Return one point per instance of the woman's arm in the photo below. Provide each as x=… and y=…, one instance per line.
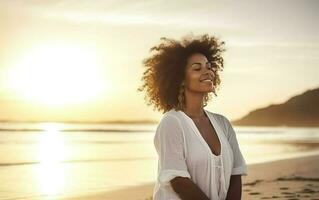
x=235, y=186
x=187, y=189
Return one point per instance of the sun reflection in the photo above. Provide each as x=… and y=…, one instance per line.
x=51, y=152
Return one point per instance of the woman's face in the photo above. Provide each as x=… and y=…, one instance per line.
x=199, y=74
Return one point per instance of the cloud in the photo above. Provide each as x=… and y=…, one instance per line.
x=195, y=14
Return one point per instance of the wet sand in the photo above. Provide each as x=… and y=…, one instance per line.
x=291, y=179
x=295, y=178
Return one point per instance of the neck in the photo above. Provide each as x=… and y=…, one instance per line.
x=194, y=105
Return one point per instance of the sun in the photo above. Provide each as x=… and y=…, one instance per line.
x=58, y=74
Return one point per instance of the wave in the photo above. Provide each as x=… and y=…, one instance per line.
x=260, y=131
x=122, y=130
x=74, y=130
x=77, y=161
x=78, y=142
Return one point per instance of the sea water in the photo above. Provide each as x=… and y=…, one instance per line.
x=47, y=160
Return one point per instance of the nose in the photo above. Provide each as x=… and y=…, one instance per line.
x=210, y=72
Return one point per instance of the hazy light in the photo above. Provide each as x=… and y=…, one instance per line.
x=57, y=74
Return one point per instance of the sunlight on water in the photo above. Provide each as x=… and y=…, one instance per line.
x=51, y=152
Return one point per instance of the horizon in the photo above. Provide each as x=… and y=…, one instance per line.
x=136, y=121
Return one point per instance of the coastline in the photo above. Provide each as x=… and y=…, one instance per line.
x=291, y=178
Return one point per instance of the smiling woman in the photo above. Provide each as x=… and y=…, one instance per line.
x=57, y=75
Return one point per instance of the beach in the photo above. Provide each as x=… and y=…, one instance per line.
x=293, y=178
x=95, y=162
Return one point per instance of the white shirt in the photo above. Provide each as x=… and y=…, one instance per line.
x=182, y=151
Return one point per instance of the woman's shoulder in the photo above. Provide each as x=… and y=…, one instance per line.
x=221, y=119
x=169, y=124
x=172, y=114
x=171, y=119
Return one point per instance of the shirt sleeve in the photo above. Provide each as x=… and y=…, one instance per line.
x=169, y=145
x=239, y=164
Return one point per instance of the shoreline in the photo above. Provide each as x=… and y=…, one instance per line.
x=290, y=178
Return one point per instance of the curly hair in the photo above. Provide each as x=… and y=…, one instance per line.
x=165, y=69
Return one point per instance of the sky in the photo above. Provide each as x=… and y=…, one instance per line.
x=272, y=54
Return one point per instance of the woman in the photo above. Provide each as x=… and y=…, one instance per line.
x=199, y=156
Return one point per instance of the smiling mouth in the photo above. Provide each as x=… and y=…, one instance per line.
x=206, y=80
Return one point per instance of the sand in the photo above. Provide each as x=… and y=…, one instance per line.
x=291, y=179
x=295, y=178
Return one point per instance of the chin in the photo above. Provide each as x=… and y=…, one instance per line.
x=204, y=89
x=207, y=91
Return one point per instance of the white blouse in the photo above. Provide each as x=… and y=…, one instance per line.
x=182, y=151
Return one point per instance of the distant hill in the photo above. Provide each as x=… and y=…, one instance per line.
x=300, y=110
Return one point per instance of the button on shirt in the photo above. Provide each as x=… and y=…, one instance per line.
x=182, y=151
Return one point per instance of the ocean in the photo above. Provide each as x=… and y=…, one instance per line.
x=49, y=160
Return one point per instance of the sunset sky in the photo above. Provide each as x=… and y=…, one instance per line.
x=82, y=60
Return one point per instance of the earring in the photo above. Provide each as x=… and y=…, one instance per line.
x=181, y=97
